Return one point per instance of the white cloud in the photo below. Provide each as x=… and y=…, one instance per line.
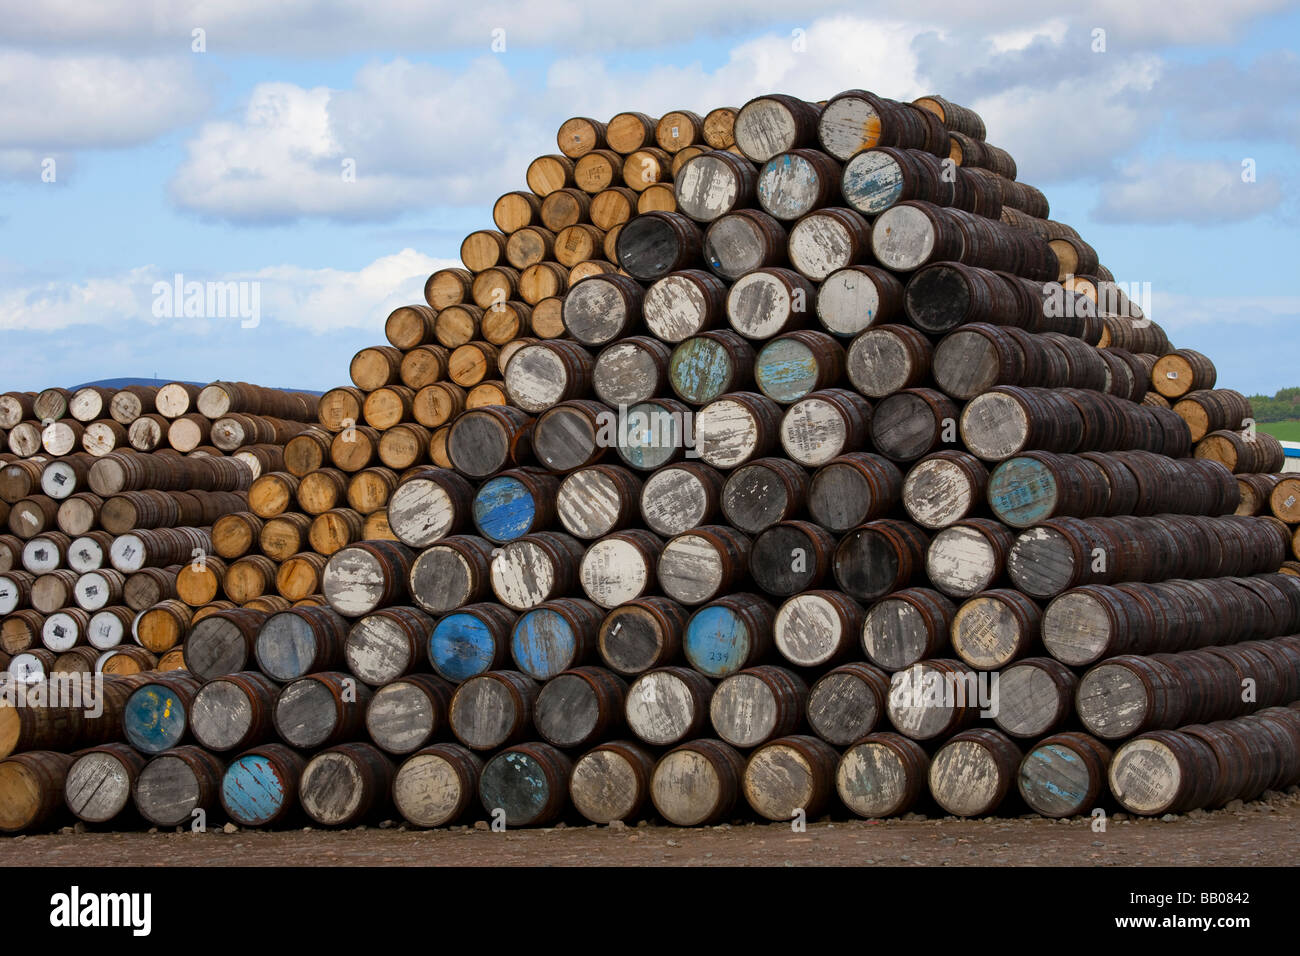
x=1170, y=190
x=405, y=135
x=321, y=300
x=323, y=26
x=74, y=102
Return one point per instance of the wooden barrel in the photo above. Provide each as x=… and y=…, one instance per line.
x=535, y=568
x=1128, y=695
x=529, y=782
x=346, y=784
x=729, y=634
x=767, y=302
x=1163, y=772
x=882, y=775
x=428, y=505
x=700, y=564
x=31, y=789
x=176, y=786
x=667, y=705
x=697, y=783
x=735, y=428
x=573, y=434
x=879, y=557
x=554, y=637
x=1182, y=371
x=300, y=641
x=912, y=234
x=53, y=590
x=386, y=644
x=855, y=299
x=450, y=574
x=656, y=244
x=611, y=782
x=718, y=127
x=743, y=241
x=110, y=627
x=366, y=576
x=792, y=777
x=972, y=774
x=542, y=375
x=932, y=699
x=714, y=184
x=46, y=552
x=620, y=567
x=794, y=183
x=943, y=488
x=98, y=784
x=597, y=170
x=472, y=640
x=683, y=304
x=817, y=627
x=771, y=124
x=708, y=365
x=260, y=786
x=790, y=557
x=1008, y=420
x=437, y=786
x=913, y=422
x=631, y=370
x=758, y=704
x=1210, y=410
x=594, y=501
x=1064, y=775
x=795, y=364
x=847, y=702
x=827, y=241
x=156, y=717
x=163, y=626
x=515, y=503
x=580, y=706
x=234, y=712
x=906, y=627
x=763, y=492
x=603, y=308
x=994, y=628
x=853, y=488
x=493, y=710
x=642, y=634
x=320, y=710
x=408, y=713
x=1260, y=452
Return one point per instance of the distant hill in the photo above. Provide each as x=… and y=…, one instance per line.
x=159, y=382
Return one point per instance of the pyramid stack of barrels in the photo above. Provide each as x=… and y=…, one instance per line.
x=783, y=461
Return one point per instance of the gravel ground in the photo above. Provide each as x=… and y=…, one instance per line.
x=1264, y=832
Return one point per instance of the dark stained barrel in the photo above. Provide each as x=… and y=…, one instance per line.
x=790, y=557
x=657, y=243
x=156, y=717
x=848, y=702
x=853, y=489
x=743, y=241
x=580, y=707
x=907, y=626
x=761, y=493
x=222, y=643
x=485, y=440
x=879, y=557
x=641, y=635
x=530, y=782
x=913, y=422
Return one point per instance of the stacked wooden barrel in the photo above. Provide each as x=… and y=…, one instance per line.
x=787, y=457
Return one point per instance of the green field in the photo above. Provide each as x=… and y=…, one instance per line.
x=1283, y=431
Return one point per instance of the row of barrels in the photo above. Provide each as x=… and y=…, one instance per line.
x=698, y=783
x=152, y=432
x=174, y=400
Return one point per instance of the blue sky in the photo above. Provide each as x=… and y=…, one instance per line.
x=225, y=164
